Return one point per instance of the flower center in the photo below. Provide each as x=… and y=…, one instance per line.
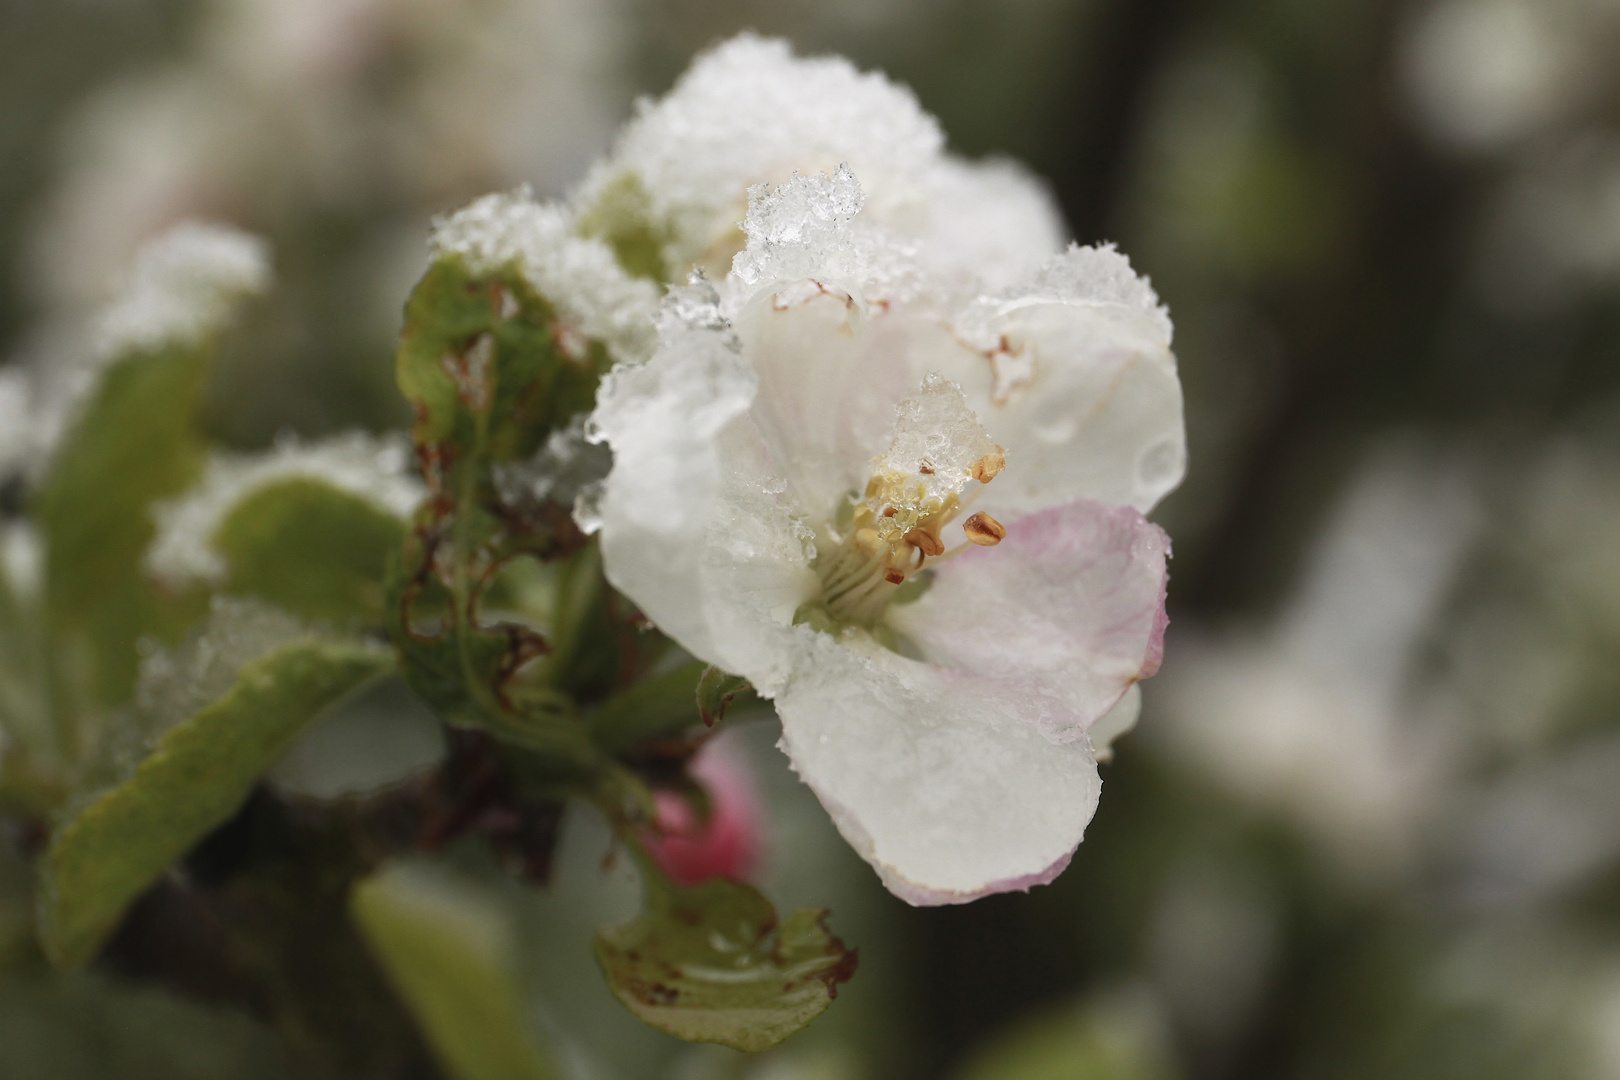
x=890, y=536
x=879, y=542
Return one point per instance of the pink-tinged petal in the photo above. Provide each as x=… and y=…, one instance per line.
x=1070, y=604
x=942, y=781
x=728, y=843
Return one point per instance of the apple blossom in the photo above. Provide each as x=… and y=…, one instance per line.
x=913, y=521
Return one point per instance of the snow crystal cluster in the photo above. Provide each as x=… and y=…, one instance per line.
x=377, y=470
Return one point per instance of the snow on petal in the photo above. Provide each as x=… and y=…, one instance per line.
x=1071, y=601
x=940, y=780
x=684, y=498
x=1073, y=373
x=578, y=275
x=750, y=112
x=379, y=470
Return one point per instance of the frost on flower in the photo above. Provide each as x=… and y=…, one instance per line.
x=749, y=112
x=378, y=470
x=910, y=516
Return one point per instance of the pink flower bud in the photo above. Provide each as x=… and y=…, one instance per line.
x=728, y=843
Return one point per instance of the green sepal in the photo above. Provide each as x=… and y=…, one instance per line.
x=447, y=953
x=488, y=366
x=716, y=691
x=195, y=778
x=711, y=963
x=658, y=706
x=310, y=548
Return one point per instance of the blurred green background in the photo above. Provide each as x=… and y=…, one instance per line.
x=1369, y=825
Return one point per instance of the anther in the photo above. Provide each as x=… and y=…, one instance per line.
x=894, y=576
x=987, y=467
x=984, y=530
x=925, y=541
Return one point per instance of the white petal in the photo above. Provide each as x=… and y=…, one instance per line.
x=1074, y=376
x=1072, y=602
x=990, y=223
x=1115, y=722
x=939, y=780
x=830, y=375
x=694, y=528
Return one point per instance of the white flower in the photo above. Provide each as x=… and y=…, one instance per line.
x=913, y=522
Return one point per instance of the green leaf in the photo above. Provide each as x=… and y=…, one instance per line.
x=622, y=218
x=1110, y=1038
x=656, y=707
x=715, y=691
x=136, y=443
x=446, y=950
x=311, y=549
x=488, y=366
x=193, y=781
x=712, y=964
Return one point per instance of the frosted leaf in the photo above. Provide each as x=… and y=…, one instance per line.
x=937, y=441
x=579, y=276
x=751, y=112
x=185, y=284
x=175, y=685
x=378, y=470
x=567, y=464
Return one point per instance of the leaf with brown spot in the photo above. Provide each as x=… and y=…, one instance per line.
x=712, y=963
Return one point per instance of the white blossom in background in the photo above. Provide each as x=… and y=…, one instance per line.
x=379, y=470
x=749, y=112
x=1313, y=715
x=274, y=111
x=911, y=517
